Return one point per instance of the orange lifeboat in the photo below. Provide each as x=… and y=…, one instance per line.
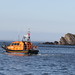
x=22, y=46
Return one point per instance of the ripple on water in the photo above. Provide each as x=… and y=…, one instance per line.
x=2, y=73
x=45, y=74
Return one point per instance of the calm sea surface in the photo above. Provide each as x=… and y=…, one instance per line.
x=51, y=60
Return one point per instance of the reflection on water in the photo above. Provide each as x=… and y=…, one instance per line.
x=17, y=54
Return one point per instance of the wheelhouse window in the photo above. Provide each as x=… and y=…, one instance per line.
x=14, y=44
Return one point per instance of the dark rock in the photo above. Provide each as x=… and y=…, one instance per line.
x=51, y=43
x=56, y=42
x=48, y=43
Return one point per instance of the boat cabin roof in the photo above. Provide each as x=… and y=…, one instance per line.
x=17, y=43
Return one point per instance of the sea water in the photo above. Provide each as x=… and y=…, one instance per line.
x=51, y=60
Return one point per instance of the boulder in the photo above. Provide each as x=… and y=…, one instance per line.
x=55, y=42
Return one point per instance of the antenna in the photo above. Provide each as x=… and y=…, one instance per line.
x=18, y=37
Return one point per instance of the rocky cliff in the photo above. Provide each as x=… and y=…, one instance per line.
x=68, y=39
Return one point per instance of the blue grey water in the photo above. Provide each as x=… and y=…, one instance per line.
x=51, y=60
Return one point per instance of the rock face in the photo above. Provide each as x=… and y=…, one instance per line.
x=68, y=39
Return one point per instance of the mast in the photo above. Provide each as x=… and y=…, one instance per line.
x=28, y=39
x=27, y=36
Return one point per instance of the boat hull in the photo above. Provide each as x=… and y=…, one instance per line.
x=21, y=51
x=16, y=51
